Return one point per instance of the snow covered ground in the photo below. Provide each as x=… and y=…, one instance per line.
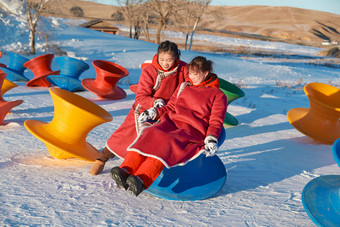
x=268, y=161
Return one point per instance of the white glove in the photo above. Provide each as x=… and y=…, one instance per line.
x=158, y=103
x=210, y=146
x=148, y=115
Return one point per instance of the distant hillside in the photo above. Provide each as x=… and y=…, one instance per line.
x=90, y=9
x=288, y=23
x=280, y=22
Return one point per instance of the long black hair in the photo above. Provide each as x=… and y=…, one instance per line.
x=169, y=47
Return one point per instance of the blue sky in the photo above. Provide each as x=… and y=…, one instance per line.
x=332, y=6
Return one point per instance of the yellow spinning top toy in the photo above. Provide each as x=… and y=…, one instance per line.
x=74, y=117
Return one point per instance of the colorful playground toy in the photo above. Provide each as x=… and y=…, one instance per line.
x=70, y=70
x=321, y=196
x=15, y=69
x=199, y=179
x=133, y=87
x=5, y=106
x=74, y=117
x=7, y=85
x=41, y=68
x=145, y=64
x=108, y=75
x=321, y=120
x=2, y=65
x=336, y=151
x=321, y=200
x=232, y=92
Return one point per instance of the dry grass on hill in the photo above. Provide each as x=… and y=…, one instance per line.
x=280, y=22
x=289, y=24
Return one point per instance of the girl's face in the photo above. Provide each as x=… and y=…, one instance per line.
x=166, y=60
x=197, y=76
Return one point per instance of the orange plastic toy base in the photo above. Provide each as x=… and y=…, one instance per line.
x=321, y=120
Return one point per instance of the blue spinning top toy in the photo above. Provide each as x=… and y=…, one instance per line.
x=15, y=69
x=70, y=71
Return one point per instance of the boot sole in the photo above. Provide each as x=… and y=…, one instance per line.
x=120, y=179
x=135, y=187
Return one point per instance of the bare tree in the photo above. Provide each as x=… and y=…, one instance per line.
x=184, y=20
x=145, y=18
x=164, y=9
x=202, y=5
x=130, y=11
x=33, y=11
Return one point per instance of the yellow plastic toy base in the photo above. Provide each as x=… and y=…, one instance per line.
x=321, y=120
x=74, y=117
x=7, y=85
x=57, y=147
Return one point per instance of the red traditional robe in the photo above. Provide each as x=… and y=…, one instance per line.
x=154, y=83
x=191, y=114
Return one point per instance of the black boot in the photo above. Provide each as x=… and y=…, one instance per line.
x=119, y=176
x=135, y=186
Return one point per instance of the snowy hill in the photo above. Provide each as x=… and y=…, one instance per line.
x=268, y=161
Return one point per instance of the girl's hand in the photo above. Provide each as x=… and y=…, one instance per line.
x=148, y=115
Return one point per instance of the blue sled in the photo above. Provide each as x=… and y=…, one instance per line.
x=199, y=179
x=321, y=200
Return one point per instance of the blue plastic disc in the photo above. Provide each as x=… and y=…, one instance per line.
x=199, y=179
x=66, y=83
x=13, y=76
x=321, y=200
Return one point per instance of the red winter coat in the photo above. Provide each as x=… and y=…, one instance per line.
x=191, y=114
x=153, y=83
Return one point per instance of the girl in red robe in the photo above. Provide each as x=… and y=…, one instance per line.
x=188, y=125
x=157, y=83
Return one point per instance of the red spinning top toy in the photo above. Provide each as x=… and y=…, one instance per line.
x=2, y=65
x=41, y=68
x=133, y=87
x=5, y=106
x=108, y=75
